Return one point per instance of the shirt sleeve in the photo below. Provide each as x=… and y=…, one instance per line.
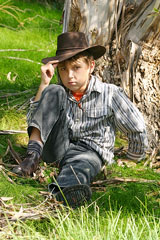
x=33, y=105
x=130, y=121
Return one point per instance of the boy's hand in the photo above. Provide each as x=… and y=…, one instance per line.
x=28, y=166
x=47, y=72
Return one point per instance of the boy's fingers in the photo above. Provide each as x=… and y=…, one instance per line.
x=51, y=65
x=53, y=62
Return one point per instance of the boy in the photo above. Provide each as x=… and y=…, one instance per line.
x=74, y=123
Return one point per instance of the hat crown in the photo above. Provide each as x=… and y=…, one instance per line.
x=70, y=44
x=71, y=41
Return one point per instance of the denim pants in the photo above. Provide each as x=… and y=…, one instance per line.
x=78, y=162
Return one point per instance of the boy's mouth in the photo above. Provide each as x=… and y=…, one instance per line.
x=71, y=83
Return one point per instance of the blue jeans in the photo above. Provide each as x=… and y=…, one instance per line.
x=78, y=162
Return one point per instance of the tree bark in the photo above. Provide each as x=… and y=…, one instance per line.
x=130, y=31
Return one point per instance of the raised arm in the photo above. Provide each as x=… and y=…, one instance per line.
x=47, y=72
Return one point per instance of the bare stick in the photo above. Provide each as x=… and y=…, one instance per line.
x=8, y=178
x=13, y=153
x=122, y=180
x=21, y=50
x=22, y=59
x=152, y=157
x=8, y=165
x=15, y=94
x=6, y=132
x=23, y=105
x=75, y=174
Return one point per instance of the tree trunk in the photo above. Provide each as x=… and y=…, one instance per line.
x=130, y=31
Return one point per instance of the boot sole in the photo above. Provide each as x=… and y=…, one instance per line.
x=74, y=196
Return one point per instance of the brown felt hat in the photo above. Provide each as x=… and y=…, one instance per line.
x=71, y=43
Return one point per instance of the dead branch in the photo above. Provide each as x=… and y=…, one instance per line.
x=7, y=177
x=15, y=94
x=118, y=180
x=23, y=105
x=6, y=132
x=13, y=153
x=21, y=59
x=8, y=165
x=21, y=50
x=152, y=158
x=6, y=152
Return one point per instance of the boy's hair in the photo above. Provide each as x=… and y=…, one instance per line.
x=86, y=56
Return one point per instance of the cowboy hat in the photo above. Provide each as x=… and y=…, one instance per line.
x=71, y=43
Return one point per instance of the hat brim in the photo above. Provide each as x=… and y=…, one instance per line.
x=96, y=51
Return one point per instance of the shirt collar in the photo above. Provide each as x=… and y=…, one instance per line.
x=94, y=85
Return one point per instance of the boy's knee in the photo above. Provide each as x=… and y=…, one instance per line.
x=53, y=91
x=54, y=88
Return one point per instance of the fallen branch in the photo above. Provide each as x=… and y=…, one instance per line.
x=21, y=50
x=23, y=105
x=7, y=177
x=8, y=165
x=118, y=180
x=22, y=59
x=6, y=132
x=152, y=158
x=15, y=94
x=13, y=153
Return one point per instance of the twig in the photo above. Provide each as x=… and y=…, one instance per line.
x=6, y=152
x=15, y=94
x=104, y=170
x=8, y=178
x=121, y=180
x=21, y=50
x=75, y=174
x=152, y=157
x=6, y=132
x=23, y=105
x=9, y=27
x=21, y=59
x=8, y=165
x=13, y=153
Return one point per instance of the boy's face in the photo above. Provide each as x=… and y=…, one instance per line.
x=75, y=75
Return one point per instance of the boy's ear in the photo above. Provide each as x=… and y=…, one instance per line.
x=92, y=66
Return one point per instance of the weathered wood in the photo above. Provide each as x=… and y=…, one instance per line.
x=95, y=18
x=130, y=30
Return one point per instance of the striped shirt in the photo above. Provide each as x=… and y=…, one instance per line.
x=95, y=118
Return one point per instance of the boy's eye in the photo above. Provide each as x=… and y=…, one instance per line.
x=76, y=67
x=62, y=68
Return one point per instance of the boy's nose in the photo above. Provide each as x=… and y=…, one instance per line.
x=70, y=73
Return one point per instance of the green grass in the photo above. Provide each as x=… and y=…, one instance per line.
x=120, y=211
x=82, y=224
x=34, y=31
